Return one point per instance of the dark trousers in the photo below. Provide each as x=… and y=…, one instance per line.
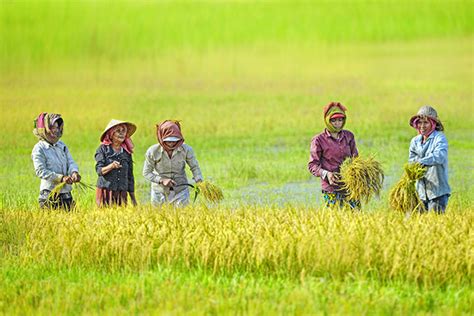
x=437, y=204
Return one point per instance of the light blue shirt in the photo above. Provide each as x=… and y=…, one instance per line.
x=51, y=163
x=433, y=153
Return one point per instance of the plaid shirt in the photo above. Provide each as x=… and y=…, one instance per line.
x=327, y=154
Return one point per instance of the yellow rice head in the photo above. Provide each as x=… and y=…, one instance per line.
x=403, y=196
x=361, y=177
x=209, y=191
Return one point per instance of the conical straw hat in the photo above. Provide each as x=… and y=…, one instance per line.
x=131, y=128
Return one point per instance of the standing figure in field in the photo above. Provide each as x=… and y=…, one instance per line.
x=430, y=148
x=53, y=162
x=165, y=166
x=114, y=165
x=328, y=150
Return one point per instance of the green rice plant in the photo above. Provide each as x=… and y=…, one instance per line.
x=361, y=177
x=210, y=191
x=54, y=194
x=84, y=187
x=403, y=196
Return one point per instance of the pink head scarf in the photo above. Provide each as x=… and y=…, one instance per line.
x=127, y=143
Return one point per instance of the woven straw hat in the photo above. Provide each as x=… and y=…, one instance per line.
x=131, y=128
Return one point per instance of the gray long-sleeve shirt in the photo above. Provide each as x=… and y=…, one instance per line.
x=51, y=163
x=433, y=153
x=159, y=165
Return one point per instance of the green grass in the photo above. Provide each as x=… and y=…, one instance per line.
x=46, y=290
x=248, y=82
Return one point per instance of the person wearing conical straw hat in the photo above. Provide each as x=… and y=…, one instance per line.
x=53, y=162
x=430, y=148
x=165, y=165
x=327, y=152
x=114, y=165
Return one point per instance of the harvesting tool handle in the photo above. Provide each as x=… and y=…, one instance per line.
x=196, y=190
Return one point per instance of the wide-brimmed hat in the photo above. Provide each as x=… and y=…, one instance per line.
x=130, y=126
x=430, y=112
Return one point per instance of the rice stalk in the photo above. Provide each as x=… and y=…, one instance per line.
x=209, y=191
x=54, y=194
x=361, y=178
x=403, y=196
x=84, y=187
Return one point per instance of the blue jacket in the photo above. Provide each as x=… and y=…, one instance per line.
x=433, y=153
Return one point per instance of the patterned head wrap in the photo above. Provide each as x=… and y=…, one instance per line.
x=331, y=110
x=43, y=124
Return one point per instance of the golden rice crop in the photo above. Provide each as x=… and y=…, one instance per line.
x=428, y=248
x=403, y=196
x=361, y=178
x=210, y=191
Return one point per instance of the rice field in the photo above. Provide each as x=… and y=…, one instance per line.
x=248, y=82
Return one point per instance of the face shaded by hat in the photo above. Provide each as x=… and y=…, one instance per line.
x=127, y=144
x=169, y=131
x=331, y=111
x=44, y=127
x=131, y=128
x=429, y=113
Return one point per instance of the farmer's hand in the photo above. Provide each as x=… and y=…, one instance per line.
x=67, y=179
x=111, y=166
x=168, y=182
x=114, y=165
x=332, y=178
x=76, y=177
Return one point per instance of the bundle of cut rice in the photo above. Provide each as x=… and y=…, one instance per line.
x=361, y=178
x=209, y=191
x=403, y=196
x=54, y=194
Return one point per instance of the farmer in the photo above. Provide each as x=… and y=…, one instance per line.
x=114, y=165
x=53, y=162
x=328, y=151
x=430, y=148
x=165, y=163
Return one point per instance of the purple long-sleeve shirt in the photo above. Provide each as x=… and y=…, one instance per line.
x=328, y=153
